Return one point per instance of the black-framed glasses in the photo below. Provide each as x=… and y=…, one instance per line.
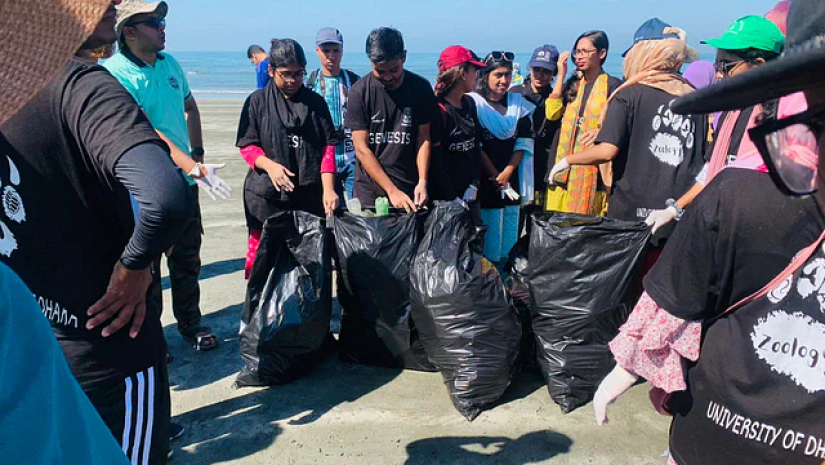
x=154, y=22
x=500, y=56
x=584, y=53
x=725, y=67
x=790, y=149
x=292, y=77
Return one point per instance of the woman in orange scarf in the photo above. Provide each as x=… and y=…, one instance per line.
x=582, y=104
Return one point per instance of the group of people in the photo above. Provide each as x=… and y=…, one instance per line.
x=103, y=165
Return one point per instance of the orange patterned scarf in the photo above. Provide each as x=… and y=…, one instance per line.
x=579, y=192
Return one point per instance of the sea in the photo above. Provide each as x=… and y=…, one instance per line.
x=228, y=75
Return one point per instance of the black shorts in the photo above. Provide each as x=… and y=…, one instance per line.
x=137, y=411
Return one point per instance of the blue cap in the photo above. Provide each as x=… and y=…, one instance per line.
x=652, y=29
x=329, y=35
x=546, y=56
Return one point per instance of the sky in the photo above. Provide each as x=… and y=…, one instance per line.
x=431, y=25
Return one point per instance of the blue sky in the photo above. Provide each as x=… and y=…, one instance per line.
x=431, y=25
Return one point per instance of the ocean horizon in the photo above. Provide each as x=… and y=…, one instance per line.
x=229, y=75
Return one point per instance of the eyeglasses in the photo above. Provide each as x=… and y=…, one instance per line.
x=500, y=56
x=584, y=53
x=790, y=149
x=292, y=77
x=154, y=22
x=725, y=67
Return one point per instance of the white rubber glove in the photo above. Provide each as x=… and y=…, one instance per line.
x=614, y=385
x=659, y=218
x=560, y=166
x=461, y=202
x=509, y=193
x=214, y=186
x=471, y=194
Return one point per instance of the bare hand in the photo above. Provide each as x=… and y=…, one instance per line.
x=421, y=197
x=126, y=298
x=279, y=176
x=589, y=138
x=563, y=63
x=503, y=178
x=331, y=201
x=399, y=199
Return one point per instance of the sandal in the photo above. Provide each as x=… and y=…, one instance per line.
x=203, y=340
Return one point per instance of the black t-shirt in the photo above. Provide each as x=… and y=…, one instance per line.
x=392, y=118
x=660, y=152
x=738, y=235
x=500, y=152
x=734, y=239
x=457, y=162
x=66, y=217
x=544, y=131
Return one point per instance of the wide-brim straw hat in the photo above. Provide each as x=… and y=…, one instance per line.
x=37, y=37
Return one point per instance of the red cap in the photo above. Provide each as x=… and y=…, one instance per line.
x=455, y=55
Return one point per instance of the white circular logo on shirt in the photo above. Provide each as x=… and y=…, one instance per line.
x=792, y=345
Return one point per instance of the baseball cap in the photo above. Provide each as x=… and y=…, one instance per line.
x=654, y=29
x=750, y=32
x=329, y=35
x=455, y=55
x=798, y=68
x=546, y=56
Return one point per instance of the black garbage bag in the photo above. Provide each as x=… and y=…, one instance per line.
x=375, y=255
x=580, y=269
x=470, y=330
x=288, y=305
x=515, y=281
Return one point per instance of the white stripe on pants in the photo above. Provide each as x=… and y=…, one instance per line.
x=140, y=403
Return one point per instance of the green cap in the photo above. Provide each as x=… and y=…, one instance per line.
x=750, y=32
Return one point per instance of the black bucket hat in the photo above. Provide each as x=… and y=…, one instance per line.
x=801, y=66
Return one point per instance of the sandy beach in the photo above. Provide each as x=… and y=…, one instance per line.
x=341, y=414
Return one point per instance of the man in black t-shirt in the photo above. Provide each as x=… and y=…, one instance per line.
x=69, y=232
x=389, y=113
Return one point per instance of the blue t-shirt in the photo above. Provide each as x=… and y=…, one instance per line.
x=262, y=72
x=46, y=416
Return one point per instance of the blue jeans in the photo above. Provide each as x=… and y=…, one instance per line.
x=344, y=182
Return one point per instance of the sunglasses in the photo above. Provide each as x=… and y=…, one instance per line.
x=725, y=67
x=292, y=77
x=790, y=149
x=500, y=56
x=154, y=23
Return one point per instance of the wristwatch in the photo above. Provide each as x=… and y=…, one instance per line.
x=679, y=210
x=197, y=152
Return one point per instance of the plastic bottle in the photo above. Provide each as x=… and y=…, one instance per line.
x=382, y=206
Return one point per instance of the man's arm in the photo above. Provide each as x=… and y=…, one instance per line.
x=193, y=123
x=179, y=157
x=423, y=163
x=370, y=163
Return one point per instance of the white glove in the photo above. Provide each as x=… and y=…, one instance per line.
x=659, y=218
x=461, y=202
x=509, y=193
x=212, y=183
x=614, y=385
x=471, y=194
x=560, y=166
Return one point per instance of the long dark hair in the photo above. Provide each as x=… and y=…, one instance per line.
x=601, y=42
x=448, y=79
x=482, y=87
